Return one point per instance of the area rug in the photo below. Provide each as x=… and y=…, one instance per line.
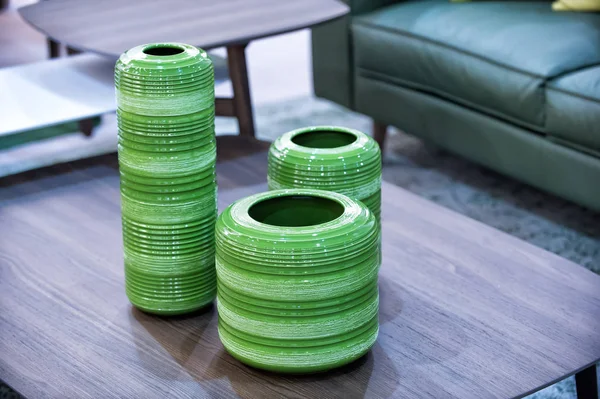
x=479, y=193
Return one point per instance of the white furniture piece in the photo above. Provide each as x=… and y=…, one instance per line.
x=53, y=92
x=57, y=91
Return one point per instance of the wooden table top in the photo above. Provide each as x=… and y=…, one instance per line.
x=466, y=311
x=111, y=27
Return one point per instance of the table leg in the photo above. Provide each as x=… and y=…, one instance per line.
x=86, y=126
x=53, y=48
x=242, y=104
x=72, y=51
x=379, y=133
x=224, y=107
x=587, y=383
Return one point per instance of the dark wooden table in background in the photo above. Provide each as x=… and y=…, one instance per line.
x=111, y=27
x=466, y=311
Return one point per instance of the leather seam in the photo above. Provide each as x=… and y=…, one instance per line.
x=543, y=86
x=556, y=139
x=446, y=46
x=573, y=94
x=376, y=76
x=352, y=61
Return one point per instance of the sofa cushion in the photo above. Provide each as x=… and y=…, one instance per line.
x=494, y=57
x=576, y=5
x=573, y=111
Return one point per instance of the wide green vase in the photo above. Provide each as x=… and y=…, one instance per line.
x=329, y=158
x=297, y=280
x=167, y=156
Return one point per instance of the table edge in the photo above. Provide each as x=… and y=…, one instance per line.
x=343, y=11
x=510, y=238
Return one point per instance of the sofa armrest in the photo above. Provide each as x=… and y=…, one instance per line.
x=332, y=54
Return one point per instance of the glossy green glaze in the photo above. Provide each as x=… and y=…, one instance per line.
x=167, y=154
x=140, y=71
x=297, y=280
x=328, y=158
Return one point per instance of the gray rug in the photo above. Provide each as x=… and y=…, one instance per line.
x=515, y=208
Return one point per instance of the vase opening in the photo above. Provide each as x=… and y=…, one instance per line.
x=163, y=51
x=324, y=139
x=296, y=211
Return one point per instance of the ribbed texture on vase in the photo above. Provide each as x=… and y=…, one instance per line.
x=167, y=157
x=297, y=280
x=330, y=158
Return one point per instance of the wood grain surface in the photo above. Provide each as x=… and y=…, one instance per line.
x=466, y=311
x=111, y=27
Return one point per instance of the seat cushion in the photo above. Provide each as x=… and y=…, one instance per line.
x=494, y=56
x=573, y=111
x=504, y=147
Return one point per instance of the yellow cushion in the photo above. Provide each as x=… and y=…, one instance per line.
x=566, y=5
x=576, y=5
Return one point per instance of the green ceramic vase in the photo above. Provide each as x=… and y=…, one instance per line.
x=167, y=156
x=297, y=280
x=329, y=158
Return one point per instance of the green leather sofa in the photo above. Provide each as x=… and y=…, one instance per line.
x=510, y=85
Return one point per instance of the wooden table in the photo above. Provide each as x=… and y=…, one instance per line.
x=466, y=311
x=111, y=27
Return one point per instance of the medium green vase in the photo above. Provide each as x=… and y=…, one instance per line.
x=329, y=158
x=297, y=280
x=167, y=155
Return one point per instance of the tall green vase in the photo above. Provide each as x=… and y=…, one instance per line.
x=167, y=155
